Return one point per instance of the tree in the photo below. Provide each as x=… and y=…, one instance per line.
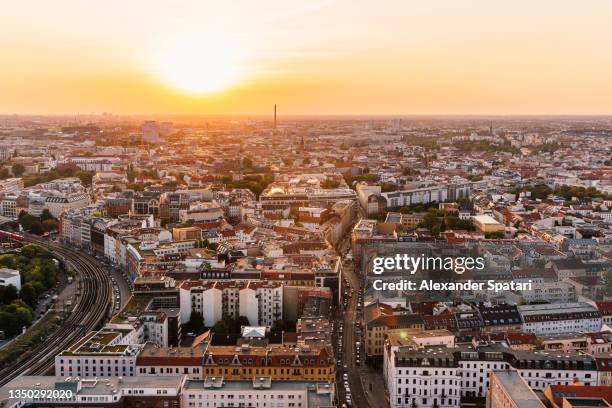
x=221, y=327
x=46, y=215
x=8, y=294
x=36, y=228
x=9, y=323
x=24, y=315
x=18, y=169
x=49, y=225
x=196, y=323
x=247, y=162
x=388, y=187
x=28, y=294
x=329, y=184
x=283, y=325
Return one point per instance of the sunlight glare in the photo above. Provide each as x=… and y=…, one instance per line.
x=200, y=64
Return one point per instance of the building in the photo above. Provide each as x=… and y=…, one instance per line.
x=8, y=206
x=150, y=132
x=259, y=392
x=605, y=308
x=155, y=360
x=11, y=185
x=425, y=195
x=578, y=395
x=201, y=212
x=5, y=153
x=501, y=318
x=261, y=302
x=560, y=318
x=113, y=392
x=420, y=338
x=369, y=197
x=507, y=389
x=57, y=204
x=439, y=376
x=552, y=292
x=10, y=277
x=604, y=368
x=95, y=163
x=422, y=377
x=379, y=319
x=103, y=353
x=186, y=233
x=487, y=224
x=278, y=362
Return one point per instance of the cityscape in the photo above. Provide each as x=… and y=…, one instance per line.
x=306, y=205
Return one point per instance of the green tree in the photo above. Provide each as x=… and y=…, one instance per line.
x=28, y=294
x=49, y=225
x=221, y=327
x=17, y=169
x=9, y=323
x=46, y=215
x=8, y=294
x=24, y=315
x=196, y=323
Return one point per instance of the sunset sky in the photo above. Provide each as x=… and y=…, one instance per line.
x=309, y=57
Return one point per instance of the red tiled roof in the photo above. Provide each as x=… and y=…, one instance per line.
x=582, y=391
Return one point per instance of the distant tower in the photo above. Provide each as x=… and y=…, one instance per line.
x=274, y=116
x=491, y=129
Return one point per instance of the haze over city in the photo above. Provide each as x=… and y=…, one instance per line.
x=320, y=57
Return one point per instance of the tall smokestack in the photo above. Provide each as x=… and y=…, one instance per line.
x=274, y=116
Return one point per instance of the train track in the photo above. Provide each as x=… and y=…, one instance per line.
x=89, y=311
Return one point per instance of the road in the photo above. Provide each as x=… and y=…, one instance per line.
x=367, y=387
x=360, y=376
x=90, y=310
x=121, y=286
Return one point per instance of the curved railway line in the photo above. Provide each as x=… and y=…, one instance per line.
x=90, y=310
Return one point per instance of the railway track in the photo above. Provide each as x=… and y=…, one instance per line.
x=89, y=311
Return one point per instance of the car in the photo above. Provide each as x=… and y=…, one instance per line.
x=345, y=376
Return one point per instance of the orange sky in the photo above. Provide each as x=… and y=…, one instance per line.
x=316, y=57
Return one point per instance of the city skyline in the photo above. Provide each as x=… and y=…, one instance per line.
x=324, y=58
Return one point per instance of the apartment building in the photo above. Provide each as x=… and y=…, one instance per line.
x=105, y=353
x=560, y=318
x=278, y=362
x=424, y=195
x=154, y=360
x=261, y=302
x=111, y=392
x=259, y=392
x=508, y=390
x=11, y=185
x=435, y=376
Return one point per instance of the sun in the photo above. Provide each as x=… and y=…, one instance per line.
x=200, y=64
